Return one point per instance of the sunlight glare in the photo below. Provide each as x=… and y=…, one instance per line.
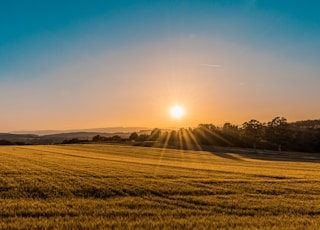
x=177, y=111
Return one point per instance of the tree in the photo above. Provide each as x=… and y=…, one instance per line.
x=133, y=136
x=116, y=138
x=73, y=141
x=143, y=137
x=6, y=142
x=155, y=134
x=98, y=138
x=278, y=132
x=173, y=137
x=229, y=128
x=232, y=134
x=253, y=132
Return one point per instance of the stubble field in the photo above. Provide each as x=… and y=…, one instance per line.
x=117, y=186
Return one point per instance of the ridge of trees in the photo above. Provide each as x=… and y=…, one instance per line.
x=277, y=134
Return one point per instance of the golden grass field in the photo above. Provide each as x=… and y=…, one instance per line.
x=104, y=186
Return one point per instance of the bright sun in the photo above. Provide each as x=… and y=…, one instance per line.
x=177, y=111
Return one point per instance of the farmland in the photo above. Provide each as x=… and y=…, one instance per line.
x=98, y=186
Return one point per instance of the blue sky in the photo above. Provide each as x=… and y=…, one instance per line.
x=39, y=28
x=63, y=47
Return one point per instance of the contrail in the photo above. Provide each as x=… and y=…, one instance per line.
x=210, y=65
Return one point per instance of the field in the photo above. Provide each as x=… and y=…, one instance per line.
x=116, y=186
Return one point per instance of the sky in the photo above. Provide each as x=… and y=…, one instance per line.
x=90, y=64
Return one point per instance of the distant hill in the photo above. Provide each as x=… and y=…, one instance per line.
x=307, y=124
x=93, y=130
x=26, y=138
x=56, y=138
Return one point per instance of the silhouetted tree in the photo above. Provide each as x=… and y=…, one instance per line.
x=232, y=134
x=173, y=138
x=155, y=134
x=143, y=137
x=253, y=132
x=116, y=138
x=229, y=128
x=298, y=136
x=133, y=136
x=98, y=138
x=74, y=141
x=278, y=132
x=6, y=142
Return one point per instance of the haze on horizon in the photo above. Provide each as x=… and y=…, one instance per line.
x=90, y=64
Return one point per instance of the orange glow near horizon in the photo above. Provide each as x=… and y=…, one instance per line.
x=102, y=92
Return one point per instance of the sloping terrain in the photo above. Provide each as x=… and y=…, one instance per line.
x=115, y=186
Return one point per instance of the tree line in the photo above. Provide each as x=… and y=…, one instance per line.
x=278, y=134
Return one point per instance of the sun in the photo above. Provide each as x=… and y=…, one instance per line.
x=177, y=111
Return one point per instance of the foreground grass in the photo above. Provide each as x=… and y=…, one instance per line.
x=114, y=186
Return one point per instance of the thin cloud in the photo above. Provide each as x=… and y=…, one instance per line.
x=210, y=65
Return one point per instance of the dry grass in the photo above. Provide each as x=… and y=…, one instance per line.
x=114, y=186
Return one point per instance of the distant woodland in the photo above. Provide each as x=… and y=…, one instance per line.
x=278, y=134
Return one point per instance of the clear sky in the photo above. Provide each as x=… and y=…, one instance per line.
x=88, y=64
